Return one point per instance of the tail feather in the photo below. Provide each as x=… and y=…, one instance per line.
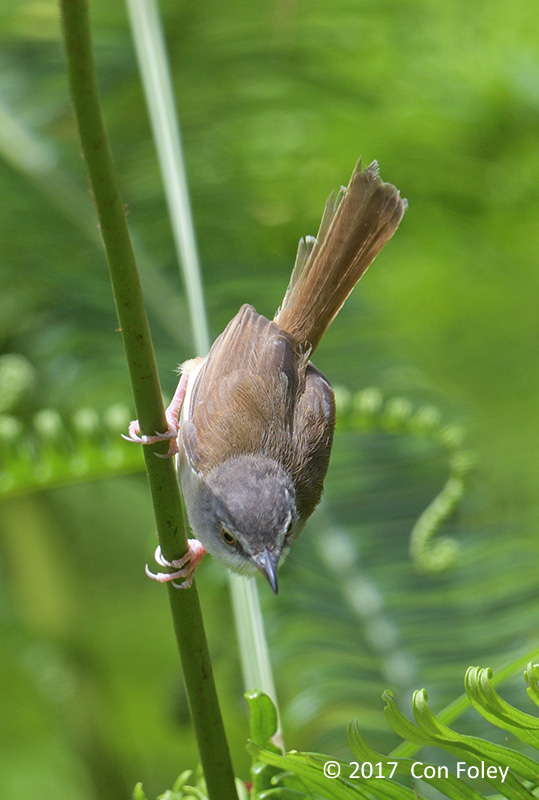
x=354, y=228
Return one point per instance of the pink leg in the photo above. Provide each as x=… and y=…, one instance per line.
x=172, y=416
x=184, y=567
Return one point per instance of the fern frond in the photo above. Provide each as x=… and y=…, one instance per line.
x=56, y=451
x=369, y=410
x=512, y=774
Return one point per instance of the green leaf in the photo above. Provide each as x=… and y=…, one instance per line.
x=139, y=793
x=486, y=700
x=263, y=719
x=531, y=675
x=181, y=780
x=449, y=785
x=289, y=780
x=263, y=725
x=311, y=775
x=386, y=789
x=406, y=729
x=472, y=749
x=363, y=752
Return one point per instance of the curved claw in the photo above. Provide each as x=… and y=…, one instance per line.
x=172, y=433
x=186, y=584
x=163, y=577
x=135, y=439
x=172, y=450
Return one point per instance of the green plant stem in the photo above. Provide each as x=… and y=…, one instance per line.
x=187, y=618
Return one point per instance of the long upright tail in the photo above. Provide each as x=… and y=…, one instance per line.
x=354, y=228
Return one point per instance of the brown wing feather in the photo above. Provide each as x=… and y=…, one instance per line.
x=314, y=423
x=244, y=394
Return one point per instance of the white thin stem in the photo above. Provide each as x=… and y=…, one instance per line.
x=255, y=661
x=155, y=72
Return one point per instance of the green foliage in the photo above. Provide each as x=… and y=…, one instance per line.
x=52, y=451
x=263, y=725
x=367, y=410
x=189, y=785
x=296, y=775
x=302, y=774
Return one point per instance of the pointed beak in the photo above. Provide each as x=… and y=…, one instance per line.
x=267, y=563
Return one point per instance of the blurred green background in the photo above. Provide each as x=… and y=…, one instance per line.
x=277, y=102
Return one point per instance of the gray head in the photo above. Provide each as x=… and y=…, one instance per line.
x=245, y=514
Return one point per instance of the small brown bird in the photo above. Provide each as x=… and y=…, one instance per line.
x=257, y=417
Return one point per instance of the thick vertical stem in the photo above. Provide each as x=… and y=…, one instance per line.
x=188, y=625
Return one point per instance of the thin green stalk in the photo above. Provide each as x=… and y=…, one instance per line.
x=151, y=54
x=187, y=618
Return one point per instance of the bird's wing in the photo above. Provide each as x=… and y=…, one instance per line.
x=314, y=423
x=243, y=397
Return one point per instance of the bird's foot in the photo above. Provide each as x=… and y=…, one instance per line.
x=172, y=415
x=170, y=435
x=183, y=567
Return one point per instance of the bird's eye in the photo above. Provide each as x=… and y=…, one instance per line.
x=289, y=528
x=227, y=537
